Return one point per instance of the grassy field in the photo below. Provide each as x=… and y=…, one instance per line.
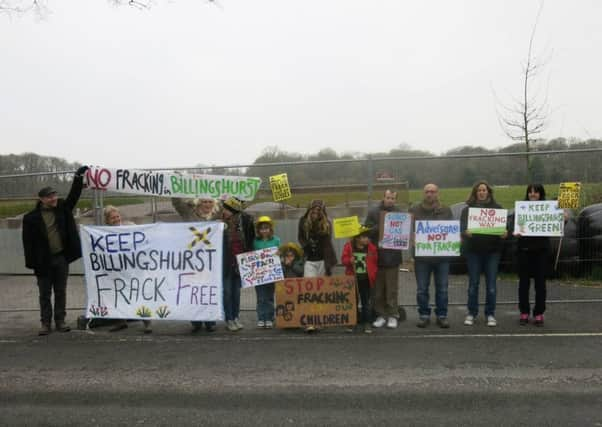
x=505, y=196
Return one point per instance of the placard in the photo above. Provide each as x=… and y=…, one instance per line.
x=321, y=302
x=437, y=238
x=259, y=267
x=394, y=230
x=280, y=187
x=346, y=227
x=487, y=221
x=569, y=194
x=538, y=218
x=167, y=271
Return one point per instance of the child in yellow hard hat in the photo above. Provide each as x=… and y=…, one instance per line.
x=265, y=238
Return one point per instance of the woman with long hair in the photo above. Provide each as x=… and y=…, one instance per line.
x=483, y=253
x=532, y=262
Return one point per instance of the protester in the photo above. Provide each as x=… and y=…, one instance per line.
x=315, y=237
x=113, y=218
x=483, y=253
x=51, y=243
x=532, y=254
x=196, y=210
x=431, y=209
x=360, y=258
x=386, y=288
x=238, y=238
x=291, y=257
x=264, y=231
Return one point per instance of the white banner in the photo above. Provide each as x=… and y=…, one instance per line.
x=538, y=218
x=170, y=184
x=259, y=267
x=437, y=238
x=157, y=271
x=487, y=221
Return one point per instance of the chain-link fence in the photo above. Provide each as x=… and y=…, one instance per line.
x=351, y=186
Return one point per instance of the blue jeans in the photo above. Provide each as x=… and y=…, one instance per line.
x=423, y=270
x=486, y=263
x=231, y=286
x=265, y=301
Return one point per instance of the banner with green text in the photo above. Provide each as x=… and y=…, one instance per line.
x=172, y=184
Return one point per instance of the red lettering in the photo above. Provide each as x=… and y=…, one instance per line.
x=98, y=178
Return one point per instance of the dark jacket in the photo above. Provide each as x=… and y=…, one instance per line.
x=480, y=243
x=246, y=230
x=293, y=270
x=386, y=257
x=435, y=213
x=35, y=236
x=322, y=240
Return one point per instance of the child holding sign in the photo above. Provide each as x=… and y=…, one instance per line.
x=265, y=293
x=360, y=258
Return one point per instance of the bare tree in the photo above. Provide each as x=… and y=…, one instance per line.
x=526, y=117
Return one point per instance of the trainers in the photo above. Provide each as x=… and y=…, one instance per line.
x=379, y=322
x=238, y=323
x=524, y=319
x=44, y=330
x=491, y=322
x=392, y=323
x=269, y=324
x=310, y=329
x=423, y=322
x=260, y=324
x=367, y=328
x=61, y=326
x=349, y=329
x=231, y=326
x=443, y=322
x=538, y=321
x=469, y=320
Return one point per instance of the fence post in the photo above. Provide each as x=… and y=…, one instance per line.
x=98, y=207
x=370, y=179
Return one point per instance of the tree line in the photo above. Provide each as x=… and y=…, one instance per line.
x=449, y=172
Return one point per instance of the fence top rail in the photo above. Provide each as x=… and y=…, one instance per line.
x=340, y=161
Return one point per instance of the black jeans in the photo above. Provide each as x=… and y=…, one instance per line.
x=55, y=280
x=365, y=315
x=532, y=264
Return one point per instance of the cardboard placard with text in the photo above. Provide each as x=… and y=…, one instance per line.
x=569, y=195
x=259, y=267
x=321, y=302
x=280, y=187
x=346, y=227
x=487, y=221
x=538, y=218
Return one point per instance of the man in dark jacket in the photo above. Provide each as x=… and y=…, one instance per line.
x=386, y=288
x=51, y=242
x=431, y=209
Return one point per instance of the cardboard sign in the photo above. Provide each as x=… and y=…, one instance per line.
x=167, y=271
x=487, y=221
x=259, y=267
x=394, y=230
x=569, y=194
x=538, y=218
x=346, y=227
x=437, y=238
x=164, y=184
x=321, y=302
x=280, y=188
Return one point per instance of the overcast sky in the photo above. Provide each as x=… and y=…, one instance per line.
x=188, y=82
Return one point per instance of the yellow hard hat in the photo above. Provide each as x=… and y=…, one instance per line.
x=265, y=219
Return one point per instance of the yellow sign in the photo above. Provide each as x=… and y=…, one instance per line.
x=346, y=227
x=280, y=188
x=321, y=302
x=568, y=195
